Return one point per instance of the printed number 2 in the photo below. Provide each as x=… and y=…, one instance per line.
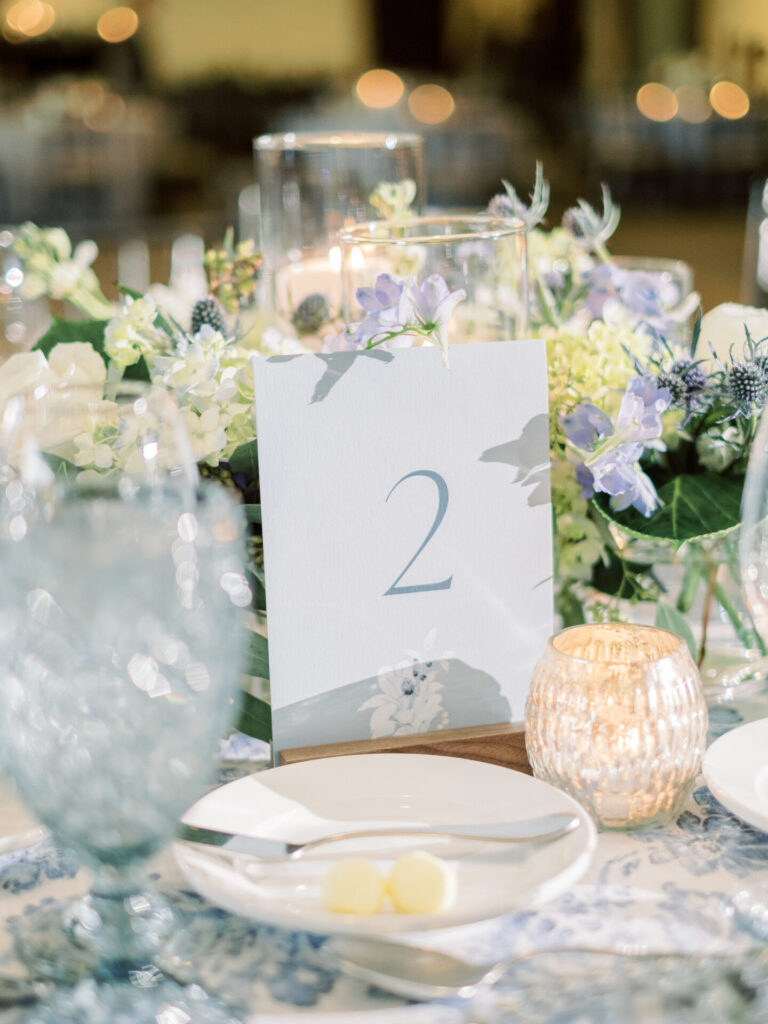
x=442, y=505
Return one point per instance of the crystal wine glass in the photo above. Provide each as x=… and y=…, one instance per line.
x=753, y=540
x=122, y=640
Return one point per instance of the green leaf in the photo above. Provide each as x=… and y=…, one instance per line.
x=258, y=656
x=742, y=622
x=255, y=718
x=695, y=334
x=253, y=513
x=694, y=507
x=256, y=580
x=690, y=585
x=245, y=459
x=668, y=617
x=623, y=579
x=62, y=332
x=570, y=608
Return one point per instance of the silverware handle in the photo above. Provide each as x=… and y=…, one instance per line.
x=541, y=830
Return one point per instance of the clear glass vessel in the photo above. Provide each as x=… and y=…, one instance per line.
x=122, y=643
x=753, y=537
x=312, y=185
x=483, y=256
x=616, y=717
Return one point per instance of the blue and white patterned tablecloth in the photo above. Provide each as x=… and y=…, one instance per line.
x=669, y=888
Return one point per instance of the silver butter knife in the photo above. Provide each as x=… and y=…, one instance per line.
x=527, y=830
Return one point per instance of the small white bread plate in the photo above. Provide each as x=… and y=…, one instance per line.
x=736, y=770
x=302, y=801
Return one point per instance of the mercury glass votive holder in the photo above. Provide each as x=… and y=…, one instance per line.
x=616, y=717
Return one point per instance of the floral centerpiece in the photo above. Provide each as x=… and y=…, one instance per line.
x=652, y=416
x=201, y=354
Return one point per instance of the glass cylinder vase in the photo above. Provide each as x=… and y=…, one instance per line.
x=483, y=256
x=313, y=184
x=616, y=717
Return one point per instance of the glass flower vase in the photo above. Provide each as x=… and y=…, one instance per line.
x=702, y=601
x=484, y=257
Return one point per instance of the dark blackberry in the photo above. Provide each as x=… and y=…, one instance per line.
x=310, y=314
x=747, y=386
x=208, y=311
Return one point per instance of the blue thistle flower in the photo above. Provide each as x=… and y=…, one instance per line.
x=310, y=314
x=208, y=312
x=687, y=382
x=511, y=205
x=746, y=386
x=501, y=206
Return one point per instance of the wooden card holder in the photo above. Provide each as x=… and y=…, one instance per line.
x=502, y=744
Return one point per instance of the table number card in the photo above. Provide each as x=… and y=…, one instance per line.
x=407, y=537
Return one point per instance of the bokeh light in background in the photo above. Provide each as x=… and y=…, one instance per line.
x=117, y=24
x=27, y=19
x=657, y=102
x=107, y=115
x=379, y=88
x=431, y=104
x=83, y=98
x=692, y=104
x=729, y=100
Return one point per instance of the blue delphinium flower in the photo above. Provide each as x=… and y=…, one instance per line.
x=386, y=300
x=611, y=462
x=587, y=425
x=433, y=302
x=399, y=310
x=642, y=300
x=602, y=282
x=641, y=292
x=388, y=307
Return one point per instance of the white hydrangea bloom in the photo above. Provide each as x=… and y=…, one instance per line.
x=133, y=334
x=206, y=433
x=274, y=343
x=89, y=452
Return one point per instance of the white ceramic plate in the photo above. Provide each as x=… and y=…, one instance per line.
x=303, y=801
x=736, y=770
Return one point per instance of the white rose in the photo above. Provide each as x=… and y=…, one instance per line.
x=723, y=327
x=78, y=363
x=22, y=373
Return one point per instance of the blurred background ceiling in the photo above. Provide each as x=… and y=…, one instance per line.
x=136, y=121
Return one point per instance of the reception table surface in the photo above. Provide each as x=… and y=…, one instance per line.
x=697, y=887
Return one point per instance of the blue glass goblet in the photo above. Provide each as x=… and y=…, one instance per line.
x=120, y=621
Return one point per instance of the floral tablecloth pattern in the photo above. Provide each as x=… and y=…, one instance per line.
x=670, y=889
